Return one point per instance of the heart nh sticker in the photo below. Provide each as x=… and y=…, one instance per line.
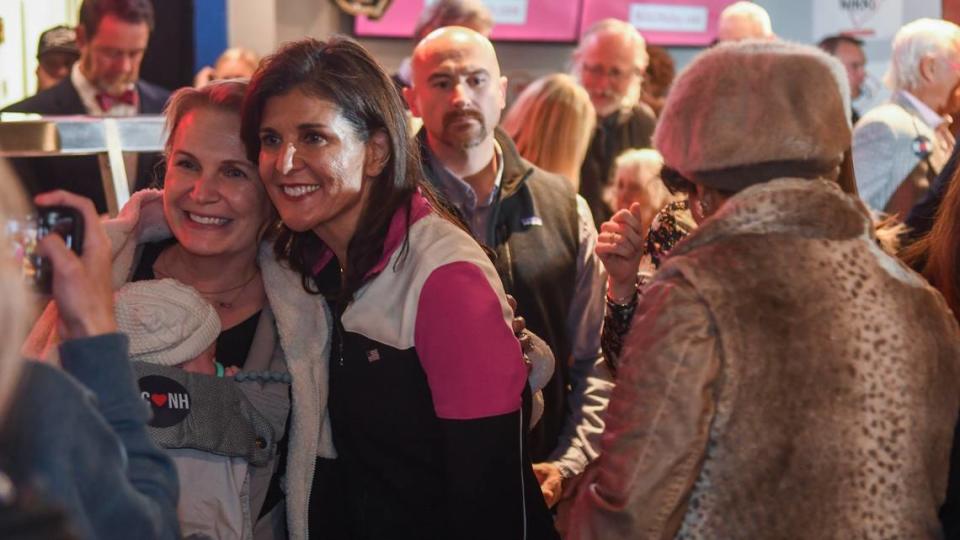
x=169, y=400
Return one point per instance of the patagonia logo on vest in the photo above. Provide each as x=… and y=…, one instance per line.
x=532, y=221
x=169, y=400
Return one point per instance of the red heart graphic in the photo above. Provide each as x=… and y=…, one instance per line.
x=158, y=399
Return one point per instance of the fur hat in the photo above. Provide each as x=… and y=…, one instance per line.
x=168, y=323
x=747, y=112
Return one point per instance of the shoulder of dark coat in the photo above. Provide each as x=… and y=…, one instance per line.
x=61, y=98
x=152, y=97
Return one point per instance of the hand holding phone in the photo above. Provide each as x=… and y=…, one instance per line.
x=81, y=284
x=27, y=233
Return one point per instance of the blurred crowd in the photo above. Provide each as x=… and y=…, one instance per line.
x=636, y=303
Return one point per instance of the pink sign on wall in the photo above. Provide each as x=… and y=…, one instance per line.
x=516, y=20
x=662, y=22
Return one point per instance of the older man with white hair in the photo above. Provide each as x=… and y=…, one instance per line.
x=744, y=20
x=609, y=63
x=901, y=146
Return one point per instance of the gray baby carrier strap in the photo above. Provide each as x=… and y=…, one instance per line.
x=205, y=413
x=221, y=415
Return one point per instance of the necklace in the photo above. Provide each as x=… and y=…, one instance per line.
x=228, y=304
x=211, y=296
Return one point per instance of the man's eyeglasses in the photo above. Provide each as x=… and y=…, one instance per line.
x=614, y=74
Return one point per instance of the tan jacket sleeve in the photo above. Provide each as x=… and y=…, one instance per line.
x=657, y=423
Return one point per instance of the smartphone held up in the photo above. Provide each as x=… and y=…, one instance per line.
x=27, y=233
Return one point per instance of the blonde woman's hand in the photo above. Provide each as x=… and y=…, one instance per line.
x=619, y=248
x=81, y=284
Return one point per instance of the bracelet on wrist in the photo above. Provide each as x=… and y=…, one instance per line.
x=626, y=301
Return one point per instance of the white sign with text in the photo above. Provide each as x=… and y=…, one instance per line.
x=668, y=18
x=866, y=19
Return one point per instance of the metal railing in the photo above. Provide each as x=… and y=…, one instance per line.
x=29, y=135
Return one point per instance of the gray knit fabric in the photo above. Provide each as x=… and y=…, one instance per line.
x=221, y=418
x=168, y=322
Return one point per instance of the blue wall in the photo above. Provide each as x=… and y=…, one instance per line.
x=210, y=31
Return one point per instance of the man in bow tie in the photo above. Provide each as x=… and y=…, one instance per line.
x=112, y=37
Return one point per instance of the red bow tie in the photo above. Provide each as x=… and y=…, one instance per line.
x=107, y=101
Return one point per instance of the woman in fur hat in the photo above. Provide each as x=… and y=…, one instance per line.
x=783, y=377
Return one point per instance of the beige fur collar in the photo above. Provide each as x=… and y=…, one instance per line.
x=814, y=208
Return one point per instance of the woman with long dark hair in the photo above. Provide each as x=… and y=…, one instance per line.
x=426, y=375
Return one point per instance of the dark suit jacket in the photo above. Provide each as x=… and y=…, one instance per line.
x=622, y=130
x=922, y=216
x=80, y=174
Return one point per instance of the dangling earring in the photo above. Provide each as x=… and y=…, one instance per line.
x=705, y=207
x=693, y=203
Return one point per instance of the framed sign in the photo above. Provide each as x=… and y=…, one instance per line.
x=691, y=23
x=874, y=20
x=515, y=20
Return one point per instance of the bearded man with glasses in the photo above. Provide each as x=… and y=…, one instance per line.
x=609, y=63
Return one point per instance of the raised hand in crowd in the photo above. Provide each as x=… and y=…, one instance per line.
x=619, y=247
x=78, y=433
x=81, y=284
